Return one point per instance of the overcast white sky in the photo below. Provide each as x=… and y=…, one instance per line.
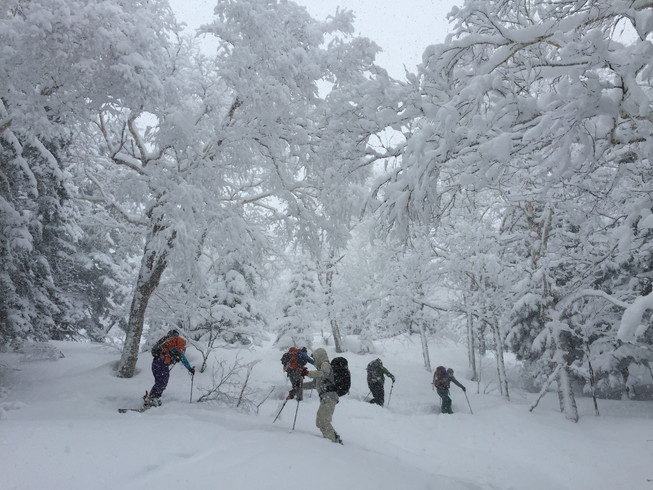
x=402, y=28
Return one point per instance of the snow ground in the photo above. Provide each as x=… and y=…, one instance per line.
x=59, y=429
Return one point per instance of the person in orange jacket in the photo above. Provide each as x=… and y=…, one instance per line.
x=167, y=352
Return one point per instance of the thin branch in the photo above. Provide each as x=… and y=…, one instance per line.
x=108, y=201
x=4, y=125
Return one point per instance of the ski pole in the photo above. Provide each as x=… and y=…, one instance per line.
x=192, y=378
x=296, y=410
x=470, y=407
x=390, y=395
x=367, y=396
x=284, y=404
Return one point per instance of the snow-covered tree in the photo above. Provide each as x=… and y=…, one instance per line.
x=219, y=306
x=63, y=62
x=309, y=99
x=36, y=239
x=301, y=308
x=548, y=104
x=232, y=149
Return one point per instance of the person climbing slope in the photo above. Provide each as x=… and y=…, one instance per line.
x=168, y=351
x=294, y=365
x=376, y=373
x=442, y=379
x=323, y=381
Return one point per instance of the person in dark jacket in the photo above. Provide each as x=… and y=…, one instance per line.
x=442, y=379
x=376, y=374
x=167, y=352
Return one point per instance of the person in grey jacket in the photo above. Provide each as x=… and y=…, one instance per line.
x=323, y=382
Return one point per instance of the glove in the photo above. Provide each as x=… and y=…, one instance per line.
x=304, y=372
x=393, y=379
x=464, y=389
x=192, y=371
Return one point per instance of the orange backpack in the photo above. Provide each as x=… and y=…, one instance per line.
x=169, y=349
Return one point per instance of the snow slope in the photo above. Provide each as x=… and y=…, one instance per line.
x=59, y=429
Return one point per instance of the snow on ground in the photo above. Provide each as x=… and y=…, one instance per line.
x=60, y=429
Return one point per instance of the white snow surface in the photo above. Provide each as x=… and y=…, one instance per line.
x=60, y=429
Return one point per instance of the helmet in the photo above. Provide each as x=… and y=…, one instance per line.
x=173, y=333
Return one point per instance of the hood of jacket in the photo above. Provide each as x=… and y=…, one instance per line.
x=320, y=356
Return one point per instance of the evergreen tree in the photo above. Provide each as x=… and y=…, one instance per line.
x=37, y=242
x=301, y=309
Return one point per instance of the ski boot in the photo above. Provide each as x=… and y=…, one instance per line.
x=151, y=400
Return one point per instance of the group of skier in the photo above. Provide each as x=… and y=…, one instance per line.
x=330, y=379
x=329, y=384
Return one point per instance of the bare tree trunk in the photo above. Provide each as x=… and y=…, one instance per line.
x=337, y=337
x=152, y=267
x=501, y=366
x=330, y=301
x=593, y=384
x=471, y=341
x=425, y=347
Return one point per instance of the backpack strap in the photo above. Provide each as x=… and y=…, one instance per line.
x=328, y=383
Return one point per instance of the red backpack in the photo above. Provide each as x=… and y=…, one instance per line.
x=291, y=360
x=441, y=377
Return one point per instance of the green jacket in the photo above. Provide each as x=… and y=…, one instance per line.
x=375, y=372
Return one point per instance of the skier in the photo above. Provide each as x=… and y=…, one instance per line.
x=294, y=362
x=167, y=352
x=376, y=373
x=442, y=379
x=326, y=388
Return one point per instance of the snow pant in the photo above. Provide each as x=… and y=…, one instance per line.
x=445, y=400
x=161, y=376
x=378, y=393
x=297, y=382
x=328, y=402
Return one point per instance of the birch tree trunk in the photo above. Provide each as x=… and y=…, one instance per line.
x=471, y=341
x=152, y=267
x=425, y=347
x=335, y=327
x=337, y=336
x=501, y=366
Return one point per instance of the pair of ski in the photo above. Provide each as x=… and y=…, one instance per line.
x=125, y=410
x=139, y=410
